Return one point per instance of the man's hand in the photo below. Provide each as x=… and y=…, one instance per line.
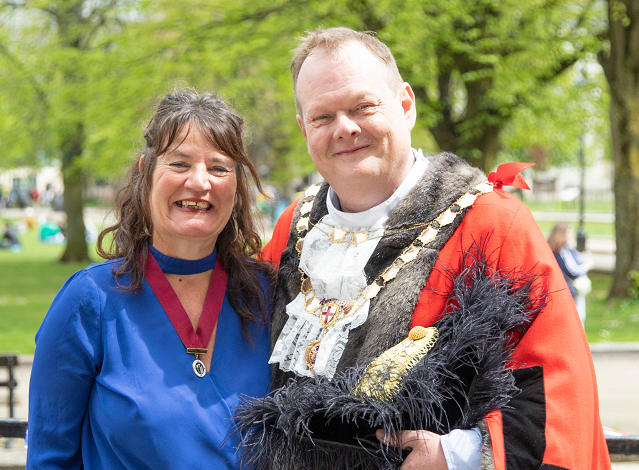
x=425, y=449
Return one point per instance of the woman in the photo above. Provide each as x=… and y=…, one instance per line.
x=575, y=269
x=120, y=378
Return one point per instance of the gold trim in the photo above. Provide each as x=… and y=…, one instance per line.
x=311, y=353
x=384, y=377
x=196, y=350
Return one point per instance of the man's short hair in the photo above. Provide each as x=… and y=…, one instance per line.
x=331, y=40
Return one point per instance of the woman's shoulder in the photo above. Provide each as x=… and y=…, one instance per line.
x=99, y=274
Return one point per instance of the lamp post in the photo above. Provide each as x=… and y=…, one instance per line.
x=581, y=232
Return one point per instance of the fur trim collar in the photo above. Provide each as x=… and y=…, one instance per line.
x=446, y=178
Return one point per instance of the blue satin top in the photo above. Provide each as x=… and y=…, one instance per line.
x=113, y=388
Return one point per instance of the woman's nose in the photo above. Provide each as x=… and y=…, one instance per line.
x=198, y=179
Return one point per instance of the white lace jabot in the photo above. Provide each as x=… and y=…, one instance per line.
x=336, y=271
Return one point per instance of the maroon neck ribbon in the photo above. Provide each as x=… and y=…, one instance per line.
x=192, y=339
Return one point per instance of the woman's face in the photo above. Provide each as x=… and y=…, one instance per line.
x=192, y=195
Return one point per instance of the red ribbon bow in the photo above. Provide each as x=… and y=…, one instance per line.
x=508, y=175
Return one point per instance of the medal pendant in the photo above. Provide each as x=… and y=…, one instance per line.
x=198, y=367
x=332, y=311
x=311, y=353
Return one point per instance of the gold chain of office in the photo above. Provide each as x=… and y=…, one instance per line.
x=333, y=309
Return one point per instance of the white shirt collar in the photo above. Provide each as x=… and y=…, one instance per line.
x=374, y=214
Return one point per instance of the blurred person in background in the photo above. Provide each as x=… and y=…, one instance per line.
x=141, y=360
x=574, y=265
x=10, y=239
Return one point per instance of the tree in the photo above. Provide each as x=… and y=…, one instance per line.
x=620, y=61
x=472, y=65
x=52, y=45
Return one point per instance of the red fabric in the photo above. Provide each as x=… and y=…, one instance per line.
x=272, y=251
x=555, y=341
x=508, y=175
x=495, y=428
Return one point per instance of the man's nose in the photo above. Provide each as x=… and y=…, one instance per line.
x=198, y=179
x=345, y=126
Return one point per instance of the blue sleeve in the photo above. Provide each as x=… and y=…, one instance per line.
x=67, y=359
x=570, y=263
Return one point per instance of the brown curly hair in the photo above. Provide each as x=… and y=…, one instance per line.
x=237, y=245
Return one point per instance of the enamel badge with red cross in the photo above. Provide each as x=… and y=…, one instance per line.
x=331, y=311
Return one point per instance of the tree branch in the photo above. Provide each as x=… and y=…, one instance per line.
x=42, y=96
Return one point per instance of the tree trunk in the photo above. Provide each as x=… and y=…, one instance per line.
x=624, y=119
x=475, y=137
x=72, y=176
x=622, y=71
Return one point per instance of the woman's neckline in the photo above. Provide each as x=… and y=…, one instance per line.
x=170, y=265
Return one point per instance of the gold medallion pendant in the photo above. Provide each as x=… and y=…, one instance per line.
x=331, y=310
x=311, y=353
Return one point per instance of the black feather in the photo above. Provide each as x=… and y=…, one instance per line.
x=320, y=423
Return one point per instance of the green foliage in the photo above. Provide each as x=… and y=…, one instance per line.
x=484, y=73
x=549, y=129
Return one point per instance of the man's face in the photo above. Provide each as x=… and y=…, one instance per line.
x=356, y=127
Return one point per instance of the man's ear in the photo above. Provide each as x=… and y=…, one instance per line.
x=407, y=98
x=140, y=162
x=300, y=122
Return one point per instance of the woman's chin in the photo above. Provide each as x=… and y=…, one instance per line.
x=193, y=233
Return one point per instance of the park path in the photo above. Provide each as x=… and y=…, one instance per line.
x=616, y=366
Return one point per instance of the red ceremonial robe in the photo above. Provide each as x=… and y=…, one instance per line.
x=572, y=436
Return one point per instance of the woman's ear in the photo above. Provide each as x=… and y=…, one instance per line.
x=140, y=162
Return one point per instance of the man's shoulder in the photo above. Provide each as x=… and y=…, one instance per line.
x=499, y=211
x=499, y=200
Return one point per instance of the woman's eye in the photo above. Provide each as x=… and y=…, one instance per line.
x=178, y=165
x=219, y=170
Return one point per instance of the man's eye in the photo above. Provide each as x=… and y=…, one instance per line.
x=178, y=164
x=364, y=106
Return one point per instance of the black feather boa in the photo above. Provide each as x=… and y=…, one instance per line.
x=320, y=424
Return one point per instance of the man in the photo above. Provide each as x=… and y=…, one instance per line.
x=332, y=310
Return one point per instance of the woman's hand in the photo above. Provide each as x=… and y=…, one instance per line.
x=425, y=449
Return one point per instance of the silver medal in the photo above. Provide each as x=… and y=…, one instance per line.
x=198, y=368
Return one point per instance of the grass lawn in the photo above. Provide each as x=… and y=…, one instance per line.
x=29, y=281
x=610, y=320
x=571, y=206
x=592, y=228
